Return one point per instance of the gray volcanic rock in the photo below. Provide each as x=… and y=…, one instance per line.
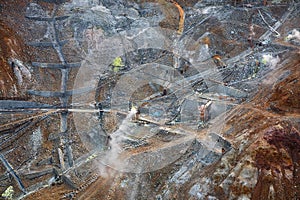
x=143, y=99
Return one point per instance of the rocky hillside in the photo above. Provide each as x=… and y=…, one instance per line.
x=149, y=99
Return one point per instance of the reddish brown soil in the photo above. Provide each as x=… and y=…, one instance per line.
x=275, y=147
x=277, y=154
x=11, y=45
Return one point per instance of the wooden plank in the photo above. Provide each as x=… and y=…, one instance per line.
x=55, y=136
x=11, y=104
x=61, y=159
x=45, y=93
x=54, y=1
x=36, y=174
x=47, y=19
x=56, y=65
x=59, y=94
x=13, y=173
x=46, y=44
